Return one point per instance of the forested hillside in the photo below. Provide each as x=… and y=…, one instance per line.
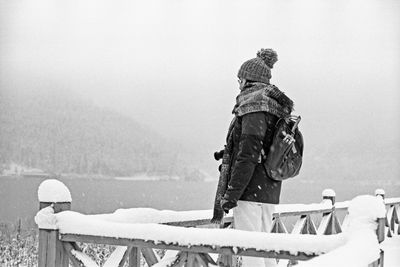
x=60, y=133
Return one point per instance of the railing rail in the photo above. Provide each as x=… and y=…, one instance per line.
x=57, y=249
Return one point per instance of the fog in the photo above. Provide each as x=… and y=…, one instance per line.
x=172, y=65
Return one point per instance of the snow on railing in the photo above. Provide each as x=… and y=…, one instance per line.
x=392, y=214
x=361, y=248
x=137, y=231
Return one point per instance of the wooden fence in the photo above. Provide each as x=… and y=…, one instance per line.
x=57, y=249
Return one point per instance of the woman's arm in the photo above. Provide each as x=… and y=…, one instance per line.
x=254, y=126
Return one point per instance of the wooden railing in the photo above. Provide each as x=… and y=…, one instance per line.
x=57, y=249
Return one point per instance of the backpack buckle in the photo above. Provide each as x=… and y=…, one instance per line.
x=262, y=156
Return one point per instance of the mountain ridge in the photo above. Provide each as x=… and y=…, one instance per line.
x=60, y=133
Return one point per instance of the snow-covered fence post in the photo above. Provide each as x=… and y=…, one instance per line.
x=329, y=223
x=392, y=214
x=380, y=193
x=329, y=194
x=380, y=231
x=54, y=196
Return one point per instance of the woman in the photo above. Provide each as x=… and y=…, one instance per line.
x=250, y=192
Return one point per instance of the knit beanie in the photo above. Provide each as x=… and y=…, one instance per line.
x=259, y=69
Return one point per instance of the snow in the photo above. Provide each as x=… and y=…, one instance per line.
x=391, y=246
x=16, y=169
x=85, y=259
x=45, y=218
x=356, y=246
x=146, y=177
x=364, y=212
x=149, y=215
x=116, y=257
x=362, y=245
x=359, y=251
x=52, y=190
x=70, y=222
x=360, y=234
x=390, y=201
x=342, y=205
x=379, y=191
x=286, y=208
x=328, y=193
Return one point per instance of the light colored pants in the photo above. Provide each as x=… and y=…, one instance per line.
x=256, y=217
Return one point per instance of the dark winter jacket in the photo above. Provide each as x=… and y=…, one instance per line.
x=249, y=180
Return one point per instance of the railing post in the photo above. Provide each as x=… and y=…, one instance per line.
x=329, y=194
x=329, y=224
x=380, y=192
x=380, y=231
x=51, y=251
x=389, y=219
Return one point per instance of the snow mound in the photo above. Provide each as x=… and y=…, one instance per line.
x=70, y=222
x=328, y=193
x=379, y=191
x=53, y=190
x=364, y=212
x=45, y=218
x=362, y=246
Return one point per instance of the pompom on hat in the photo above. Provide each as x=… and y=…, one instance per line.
x=259, y=69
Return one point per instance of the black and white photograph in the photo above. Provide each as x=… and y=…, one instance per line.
x=199, y=133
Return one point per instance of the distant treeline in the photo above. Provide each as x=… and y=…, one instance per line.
x=63, y=134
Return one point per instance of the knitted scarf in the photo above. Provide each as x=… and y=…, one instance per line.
x=257, y=97
x=254, y=97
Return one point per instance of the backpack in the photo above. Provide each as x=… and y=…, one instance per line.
x=285, y=155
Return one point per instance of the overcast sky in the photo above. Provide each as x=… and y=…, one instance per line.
x=172, y=64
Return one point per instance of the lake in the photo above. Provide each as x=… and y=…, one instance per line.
x=19, y=195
